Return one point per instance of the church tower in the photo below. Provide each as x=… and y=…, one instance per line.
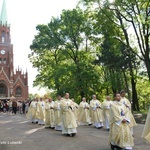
x=11, y=84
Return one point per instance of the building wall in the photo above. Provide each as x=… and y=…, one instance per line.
x=10, y=81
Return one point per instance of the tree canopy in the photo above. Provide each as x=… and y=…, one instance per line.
x=97, y=48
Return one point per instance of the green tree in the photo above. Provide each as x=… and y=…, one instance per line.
x=129, y=15
x=111, y=27
x=63, y=61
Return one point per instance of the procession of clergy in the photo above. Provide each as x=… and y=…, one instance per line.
x=65, y=115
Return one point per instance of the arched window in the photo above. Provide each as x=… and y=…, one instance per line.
x=2, y=90
x=3, y=37
x=18, y=92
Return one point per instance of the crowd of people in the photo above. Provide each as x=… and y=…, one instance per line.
x=13, y=106
x=65, y=115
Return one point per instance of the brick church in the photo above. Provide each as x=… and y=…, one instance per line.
x=12, y=83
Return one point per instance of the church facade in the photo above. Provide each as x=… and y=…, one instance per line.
x=12, y=83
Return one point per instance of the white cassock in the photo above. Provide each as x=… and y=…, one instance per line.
x=96, y=113
x=57, y=112
x=106, y=107
x=49, y=114
x=129, y=114
x=146, y=131
x=52, y=116
x=120, y=134
x=32, y=112
x=84, y=114
x=41, y=112
x=68, y=117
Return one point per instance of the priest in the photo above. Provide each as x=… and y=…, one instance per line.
x=146, y=131
x=68, y=117
x=40, y=113
x=57, y=112
x=32, y=111
x=49, y=114
x=106, y=107
x=120, y=135
x=96, y=112
x=84, y=113
x=129, y=114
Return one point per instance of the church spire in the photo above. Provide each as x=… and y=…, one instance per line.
x=3, y=18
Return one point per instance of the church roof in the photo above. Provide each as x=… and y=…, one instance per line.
x=3, y=17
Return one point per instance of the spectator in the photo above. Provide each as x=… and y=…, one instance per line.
x=19, y=103
x=14, y=106
x=10, y=106
x=1, y=106
x=7, y=107
x=27, y=105
x=23, y=107
x=4, y=106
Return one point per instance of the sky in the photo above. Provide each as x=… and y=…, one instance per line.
x=24, y=16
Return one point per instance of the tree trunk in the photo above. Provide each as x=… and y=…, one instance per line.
x=126, y=83
x=147, y=63
x=135, y=104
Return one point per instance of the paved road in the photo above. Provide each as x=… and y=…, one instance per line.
x=17, y=133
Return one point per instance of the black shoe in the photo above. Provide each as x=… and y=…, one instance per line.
x=112, y=147
x=118, y=148
x=115, y=147
x=67, y=134
x=46, y=127
x=73, y=134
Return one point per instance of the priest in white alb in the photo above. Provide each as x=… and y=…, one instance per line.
x=32, y=111
x=96, y=112
x=120, y=135
x=84, y=113
x=68, y=117
x=146, y=131
x=49, y=114
x=106, y=107
x=127, y=104
x=57, y=112
x=40, y=113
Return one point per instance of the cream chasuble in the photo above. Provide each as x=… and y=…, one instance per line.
x=120, y=133
x=84, y=113
x=68, y=117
